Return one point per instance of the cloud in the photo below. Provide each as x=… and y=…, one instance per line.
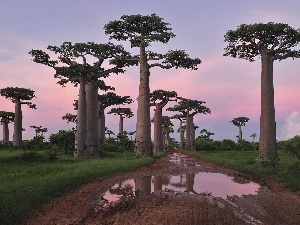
x=291, y=126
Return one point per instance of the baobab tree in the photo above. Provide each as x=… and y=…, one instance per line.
x=39, y=130
x=130, y=134
x=159, y=99
x=122, y=113
x=270, y=42
x=19, y=96
x=106, y=100
x=5, y=119
x=239, y=122
x=205, y=134
x=181, y=130
x=86, y=75
x=167, y=128
x=141, y=31
x=189, y=108
x=253, y=136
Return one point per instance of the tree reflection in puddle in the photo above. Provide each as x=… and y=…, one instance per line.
x=215, y=184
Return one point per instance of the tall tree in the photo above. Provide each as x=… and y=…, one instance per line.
x=270, y=41
x=106, y=100
x=5, y=119
x=86, y=75
x=239, y=122
x=122, y=113
x=190, y=108
x=141, y=31
x=20, y=96
x=159, y=99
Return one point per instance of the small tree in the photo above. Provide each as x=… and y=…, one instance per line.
x=5, y=119
x=122, y=113
x=253, y=136
x=205, y=134
x=239, y=122
x=106, y=100
x=39, y=130
x=159, y=99
x=190, y=108
x=271, y=42
x=19, y=96
x=181, y=130
x=141, y=31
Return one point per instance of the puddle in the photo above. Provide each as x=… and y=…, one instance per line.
x=191, y=182
x=214, y=184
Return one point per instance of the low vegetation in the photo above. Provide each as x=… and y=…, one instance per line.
x=30, y=179
x=234, y=155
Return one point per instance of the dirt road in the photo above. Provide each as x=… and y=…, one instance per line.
x=272, y=204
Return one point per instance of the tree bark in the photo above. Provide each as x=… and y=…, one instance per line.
x=17, y=138
x=181, y=135
x=188, y=132
x=80, y=142
x=158, y=134
x=102, y=126
x=5, y=132
x=92, y=124
x=240, y=134
x=121, y=124
x=143, y=146
x=192, y=127
x=267, y=142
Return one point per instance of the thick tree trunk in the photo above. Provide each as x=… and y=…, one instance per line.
x=240, y=134
x=17, y=138
x=92, y=124
x=188, y=144
x=121, y=122
x=101, y=126
x=192, y=127
x=267, y=142
x=158, y=136
x=80, y=142
x=5, y=132
x=143, y=146
x=163, y=137
x=181, y=135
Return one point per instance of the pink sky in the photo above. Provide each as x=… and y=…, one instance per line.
x=231, y=87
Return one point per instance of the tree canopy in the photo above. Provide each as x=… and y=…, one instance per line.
x=274, y=39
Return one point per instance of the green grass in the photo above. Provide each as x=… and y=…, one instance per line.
x=286, y=172
x=26, y=185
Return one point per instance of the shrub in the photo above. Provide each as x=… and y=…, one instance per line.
x=228, y=144
x=63, y=140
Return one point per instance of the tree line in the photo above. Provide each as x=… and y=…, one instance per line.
x=71, y=64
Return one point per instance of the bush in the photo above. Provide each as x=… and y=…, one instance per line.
x=244, y=146
x=204, y=145
x=228, y=144
x=36, y=143
x=63, y=140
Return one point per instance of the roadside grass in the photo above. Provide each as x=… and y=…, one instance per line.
x=28, y=184
x=286, y=171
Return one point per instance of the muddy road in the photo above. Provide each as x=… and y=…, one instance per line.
x=177, y=189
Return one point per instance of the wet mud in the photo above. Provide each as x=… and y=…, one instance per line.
x=177, y=189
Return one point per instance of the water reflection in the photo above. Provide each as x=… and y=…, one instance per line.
x=215, y=184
